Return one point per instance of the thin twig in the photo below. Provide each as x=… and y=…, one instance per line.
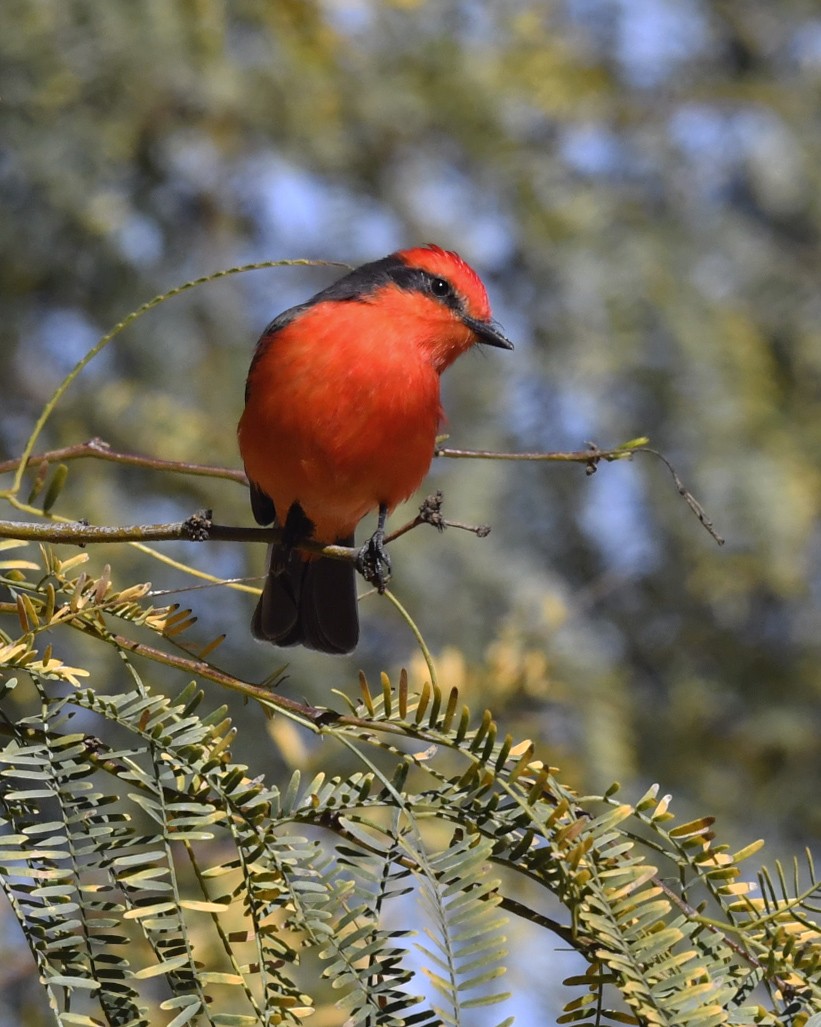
x=430, y=512
x=312, y=715
x=99, y=449
x=686, y=495
x=79, y=533
x=196, y=529
x=724, y=931
x=591, y=455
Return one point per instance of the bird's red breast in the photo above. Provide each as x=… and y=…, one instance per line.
x=342, y=414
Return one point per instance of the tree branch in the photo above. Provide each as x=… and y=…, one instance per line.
x=591, y=456
x=99, y=449
x=200, y=528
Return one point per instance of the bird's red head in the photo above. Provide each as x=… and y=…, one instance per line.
x=424, y=304
x=441, y=299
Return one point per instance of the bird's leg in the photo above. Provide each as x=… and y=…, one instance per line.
x=373, y=562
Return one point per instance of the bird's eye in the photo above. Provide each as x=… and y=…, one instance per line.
x=440, y=287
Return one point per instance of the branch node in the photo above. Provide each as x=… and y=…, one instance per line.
x=84, y=523
x=198, y=527
x=430, y=512
x=596, y=455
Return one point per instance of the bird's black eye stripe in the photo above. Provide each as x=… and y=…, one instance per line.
x=370, y=277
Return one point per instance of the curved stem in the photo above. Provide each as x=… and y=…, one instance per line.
x=417, y=634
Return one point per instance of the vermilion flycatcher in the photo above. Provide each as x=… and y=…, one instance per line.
x=342, y=408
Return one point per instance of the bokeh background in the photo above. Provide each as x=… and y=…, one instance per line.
x=639, y=184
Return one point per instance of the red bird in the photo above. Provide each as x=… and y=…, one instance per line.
x=342, y=408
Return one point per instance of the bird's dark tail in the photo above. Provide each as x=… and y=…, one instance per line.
x=308, y=602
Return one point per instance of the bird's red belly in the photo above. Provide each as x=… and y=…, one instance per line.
x=342, y=450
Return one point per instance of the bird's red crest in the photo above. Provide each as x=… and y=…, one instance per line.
x=456, y=270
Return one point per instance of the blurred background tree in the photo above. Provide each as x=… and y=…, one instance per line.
x=638, y=183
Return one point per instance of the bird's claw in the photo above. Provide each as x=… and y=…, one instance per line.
x=373, y=562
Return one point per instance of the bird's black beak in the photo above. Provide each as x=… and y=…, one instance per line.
x=488, y=333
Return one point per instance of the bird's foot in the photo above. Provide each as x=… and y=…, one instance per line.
x=373, y=562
